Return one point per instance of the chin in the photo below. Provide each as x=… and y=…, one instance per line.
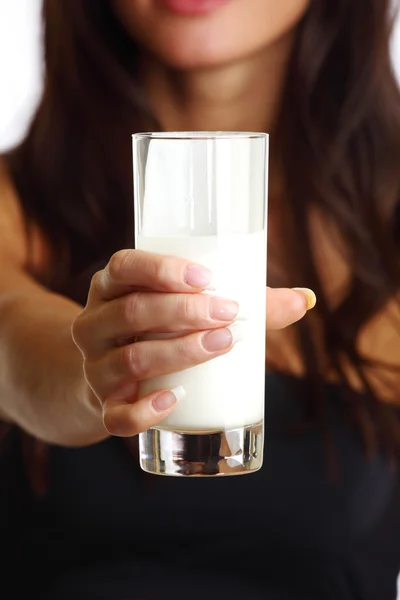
x=233, y=31
x=183, y=51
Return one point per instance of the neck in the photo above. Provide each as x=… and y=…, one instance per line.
x=242, y=96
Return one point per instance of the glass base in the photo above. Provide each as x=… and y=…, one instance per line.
x=202, y=454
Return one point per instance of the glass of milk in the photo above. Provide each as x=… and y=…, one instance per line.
x=203, y=196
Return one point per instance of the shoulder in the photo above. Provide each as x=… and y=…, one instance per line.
x=15, y=246
x=12, y=223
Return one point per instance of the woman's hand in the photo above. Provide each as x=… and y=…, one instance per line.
x=142, y=293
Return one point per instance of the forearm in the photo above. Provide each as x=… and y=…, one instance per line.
x=42, y=386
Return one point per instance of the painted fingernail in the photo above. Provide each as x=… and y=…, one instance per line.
x=199, y=277
x=222, y=309
x=309, y=296
x=221, y=339
x=165, y=400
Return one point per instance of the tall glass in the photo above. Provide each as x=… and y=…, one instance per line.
x=203, y=196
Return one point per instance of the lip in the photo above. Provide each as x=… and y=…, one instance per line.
x=192, y=7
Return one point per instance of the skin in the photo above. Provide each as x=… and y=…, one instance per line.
x=71, y=372
x=223, y=70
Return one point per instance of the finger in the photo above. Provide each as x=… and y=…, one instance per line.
x=129, y=269
x=119, y=368
x=126, y=419
x=119, y=320
x=286, y=306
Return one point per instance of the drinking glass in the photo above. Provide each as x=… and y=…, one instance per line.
x=203, y=196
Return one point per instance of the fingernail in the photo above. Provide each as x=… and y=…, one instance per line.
x=309, y=295
x=221, y=339
x=199, y=277
x=222, y=309
x=165, y=400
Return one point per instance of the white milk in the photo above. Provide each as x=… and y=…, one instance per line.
x=228, y=391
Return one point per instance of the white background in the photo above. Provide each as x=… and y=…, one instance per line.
x=21, y=67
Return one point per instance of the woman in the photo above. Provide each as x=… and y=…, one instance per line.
x=321, y=519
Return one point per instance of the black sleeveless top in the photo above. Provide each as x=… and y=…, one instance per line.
x=293, y=530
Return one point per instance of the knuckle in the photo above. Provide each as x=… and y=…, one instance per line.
x=109, y=421
x=91, y=374
x=130, y=308
x=162, y=269
x=89, y=371
x=118, y=264
x=96, y=280
x=189, y=349
x=195, y=308
x=132, y=360
x=79, y=330
x=166, y=270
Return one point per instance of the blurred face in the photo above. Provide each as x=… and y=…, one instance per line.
x=193, y=34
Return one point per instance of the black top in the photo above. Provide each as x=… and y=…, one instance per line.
x=292, y=530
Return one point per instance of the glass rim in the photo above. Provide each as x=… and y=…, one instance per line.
x=198, y=135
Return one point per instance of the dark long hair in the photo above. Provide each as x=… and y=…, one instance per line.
x=337, y=140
